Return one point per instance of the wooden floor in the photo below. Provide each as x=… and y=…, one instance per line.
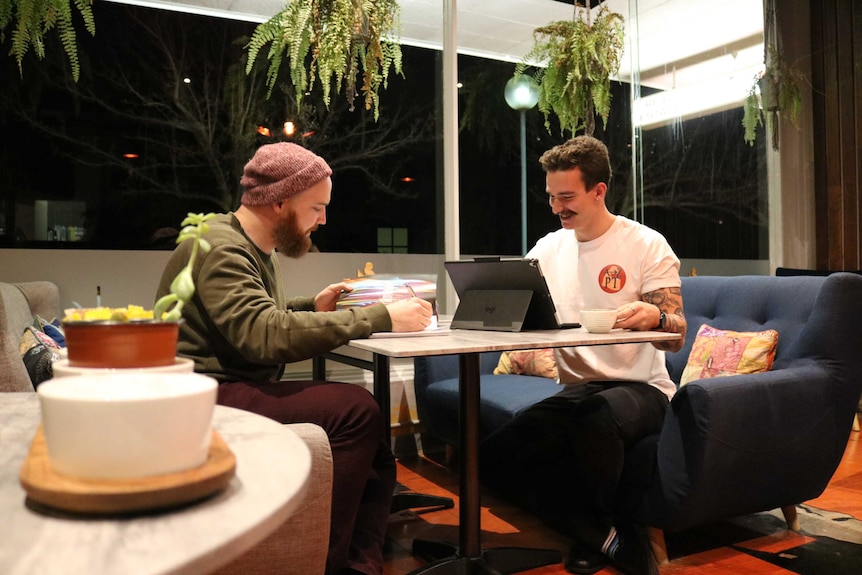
x=830, y=541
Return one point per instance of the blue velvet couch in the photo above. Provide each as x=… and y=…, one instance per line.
x=729, y=446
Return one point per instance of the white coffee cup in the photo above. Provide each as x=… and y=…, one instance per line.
x=127, y=425
x=598, y=320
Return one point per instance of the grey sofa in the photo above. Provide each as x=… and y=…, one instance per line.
x=732, y=445
x=297, y=547
x=18, y=304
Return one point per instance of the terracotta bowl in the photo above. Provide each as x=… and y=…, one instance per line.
x=109, y=344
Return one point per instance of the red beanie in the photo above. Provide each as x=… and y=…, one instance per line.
x=279, y=171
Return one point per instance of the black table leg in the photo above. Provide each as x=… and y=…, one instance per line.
x=468, y=558
x=404, y=503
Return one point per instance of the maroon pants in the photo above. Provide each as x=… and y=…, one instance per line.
x=364, y=467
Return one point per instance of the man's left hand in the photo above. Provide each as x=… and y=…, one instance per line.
x=637, y=316
x=325, y=300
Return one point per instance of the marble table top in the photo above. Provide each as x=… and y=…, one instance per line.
x=273, y=466
x=479, y=341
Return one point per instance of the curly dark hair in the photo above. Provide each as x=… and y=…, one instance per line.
x=584, y=152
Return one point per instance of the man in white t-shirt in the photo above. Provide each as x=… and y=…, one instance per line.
x=562, y=458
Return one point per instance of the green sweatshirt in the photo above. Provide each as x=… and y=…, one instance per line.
x=239, y=326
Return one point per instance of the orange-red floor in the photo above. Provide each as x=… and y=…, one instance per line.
x=830, y=540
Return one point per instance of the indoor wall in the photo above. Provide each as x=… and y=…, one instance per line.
x=836, y=48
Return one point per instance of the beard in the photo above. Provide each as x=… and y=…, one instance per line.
x=289, y=239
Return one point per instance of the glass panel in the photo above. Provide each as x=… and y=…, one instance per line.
x=703, y=187
x=150, y=132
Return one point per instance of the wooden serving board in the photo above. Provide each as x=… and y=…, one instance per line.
x=124, y=496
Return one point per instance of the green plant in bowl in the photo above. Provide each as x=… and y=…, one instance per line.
x=170, y=306
x=132, y=337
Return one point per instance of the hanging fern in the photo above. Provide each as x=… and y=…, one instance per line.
x=751, y=115
x=30, y=20
x=581, y=57
x=774, y=92
x=332, y=42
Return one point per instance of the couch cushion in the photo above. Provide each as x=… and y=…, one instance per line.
x=746, y=303
x=502, y=397
x=18, y=304
x=38, y=351
x=718, y=353
x=539, y=362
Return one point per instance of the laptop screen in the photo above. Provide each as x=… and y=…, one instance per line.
x=502, y=294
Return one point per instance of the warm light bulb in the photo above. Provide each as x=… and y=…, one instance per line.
x=289, y=128
x=264, y=131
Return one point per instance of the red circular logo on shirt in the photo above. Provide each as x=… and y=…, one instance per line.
x=612, y=278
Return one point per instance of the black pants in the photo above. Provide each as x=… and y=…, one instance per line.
x=562, y=458
x=363, y=464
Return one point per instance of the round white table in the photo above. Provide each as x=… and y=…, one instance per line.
x=272, y=470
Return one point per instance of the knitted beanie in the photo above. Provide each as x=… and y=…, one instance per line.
x=279, y=171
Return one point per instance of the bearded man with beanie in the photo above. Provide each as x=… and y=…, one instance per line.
x=241, y=329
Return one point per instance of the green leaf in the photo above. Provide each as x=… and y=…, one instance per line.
x=31, y=19
x=331, y=43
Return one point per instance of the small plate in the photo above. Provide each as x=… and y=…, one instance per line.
x=124, y=496
x=181, y=365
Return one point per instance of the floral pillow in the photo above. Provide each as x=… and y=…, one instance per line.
x=38, y=352
x=717, y=353
x=539, y=362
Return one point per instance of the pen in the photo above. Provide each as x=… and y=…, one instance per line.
x=410, y=289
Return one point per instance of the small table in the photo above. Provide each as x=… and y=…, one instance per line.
x=468, y=344
x=273, y=467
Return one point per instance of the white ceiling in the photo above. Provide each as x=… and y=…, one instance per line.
x=675, y=36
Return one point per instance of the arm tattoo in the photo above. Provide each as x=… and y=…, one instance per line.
x=669, y=300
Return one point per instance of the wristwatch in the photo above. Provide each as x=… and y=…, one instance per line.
x=662, y=319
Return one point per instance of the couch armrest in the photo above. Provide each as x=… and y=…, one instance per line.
x=300, y=544
x=18, y=304
x=43, y=298
x=748, y=443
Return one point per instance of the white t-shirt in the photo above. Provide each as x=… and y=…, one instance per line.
x=627, y=261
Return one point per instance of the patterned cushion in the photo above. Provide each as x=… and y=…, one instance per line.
x=717, y=353
x=538, y=362
x=38, y=352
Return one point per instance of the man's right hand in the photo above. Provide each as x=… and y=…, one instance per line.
x=412, y=314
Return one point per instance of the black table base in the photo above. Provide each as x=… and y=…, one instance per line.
x=446, y=560
x=467, y=558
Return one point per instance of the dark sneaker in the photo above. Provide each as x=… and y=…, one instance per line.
x=632, y=554
x=584, y=561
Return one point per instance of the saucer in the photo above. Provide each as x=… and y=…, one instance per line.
x=180, y=365
x=124, y=496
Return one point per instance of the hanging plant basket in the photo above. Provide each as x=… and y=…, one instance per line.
x=582, y=55
x=773, y=93
x=348, y=45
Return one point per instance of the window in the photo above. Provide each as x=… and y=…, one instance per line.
x=134, y=152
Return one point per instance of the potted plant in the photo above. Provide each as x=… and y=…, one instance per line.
x=774, y=91
x=332, y=42
x=30, y=20
x=133, y=337
x=581, y=54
